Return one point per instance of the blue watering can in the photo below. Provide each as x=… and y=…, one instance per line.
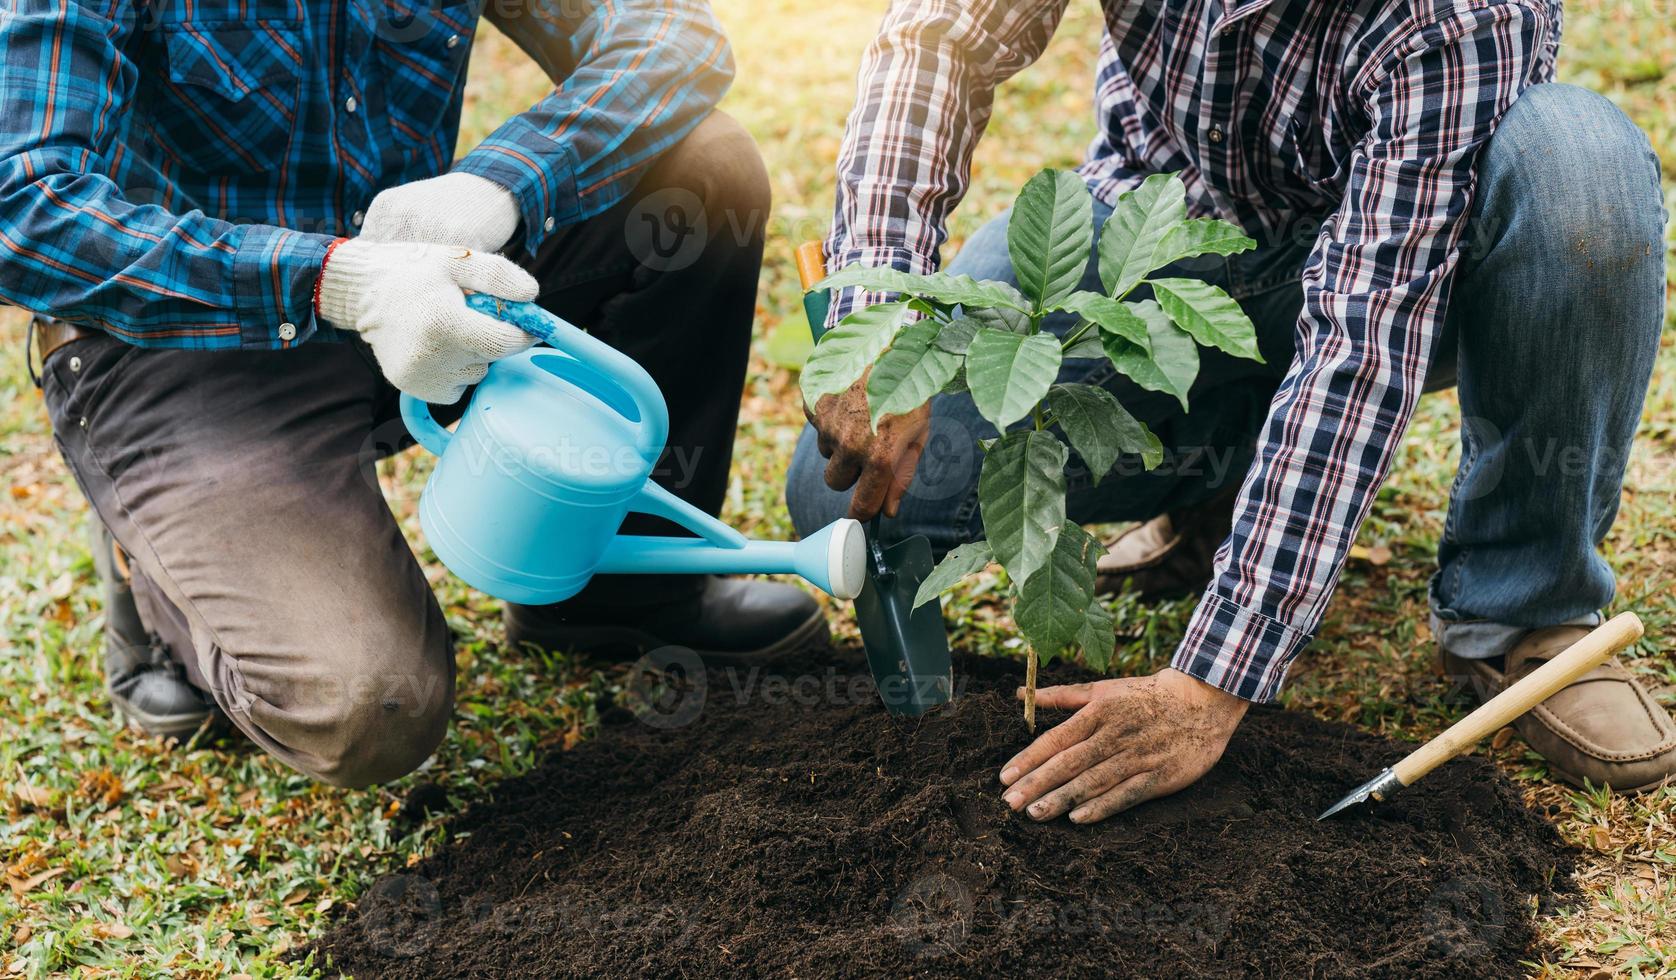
x=556, y=447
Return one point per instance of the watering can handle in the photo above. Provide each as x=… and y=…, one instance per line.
x=572, y=340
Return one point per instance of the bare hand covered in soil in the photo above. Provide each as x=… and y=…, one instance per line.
x=786, y=826
x=879, y=464
x=1132, y=739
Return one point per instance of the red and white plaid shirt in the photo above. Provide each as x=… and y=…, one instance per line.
x=1364, y=117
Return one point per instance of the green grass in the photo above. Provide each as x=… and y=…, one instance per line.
x=213, y=860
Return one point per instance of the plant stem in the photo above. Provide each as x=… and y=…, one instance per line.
x=1075, y=335
x=1030, y=691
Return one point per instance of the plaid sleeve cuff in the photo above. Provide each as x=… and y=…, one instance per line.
x=538, y=171
x=1237, y=649
x=275, y=271
x=847, y=301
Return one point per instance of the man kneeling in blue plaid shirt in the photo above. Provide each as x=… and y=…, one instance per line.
x=1432, y=210
x=239, y=223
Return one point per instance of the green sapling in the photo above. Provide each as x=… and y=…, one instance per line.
x=953, y=333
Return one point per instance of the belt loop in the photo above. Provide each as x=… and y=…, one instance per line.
x=29, y=352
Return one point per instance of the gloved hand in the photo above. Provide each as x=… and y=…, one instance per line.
x=408, y=301
x=453, y=209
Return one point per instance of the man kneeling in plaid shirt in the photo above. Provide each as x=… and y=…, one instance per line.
x=245, y=233
x=1432, y=211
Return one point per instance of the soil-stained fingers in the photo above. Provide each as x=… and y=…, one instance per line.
x=1055, y=772
x=884, y=480
x=1096, y=779
x=1051, y=742
x=1066, y=697
x=843, y=468
x=1135, y=790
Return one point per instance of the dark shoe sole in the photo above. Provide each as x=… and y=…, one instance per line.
x=163, y=726
x=628, y=643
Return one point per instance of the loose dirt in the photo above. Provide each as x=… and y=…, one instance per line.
x=784, y=825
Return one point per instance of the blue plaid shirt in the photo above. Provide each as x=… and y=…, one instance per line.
x=172, y=171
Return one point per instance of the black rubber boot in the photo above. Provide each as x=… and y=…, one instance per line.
x=738, y=621
x=149, y=690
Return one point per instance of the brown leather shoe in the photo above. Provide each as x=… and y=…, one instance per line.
x=1604, y=727
x=1170, y=555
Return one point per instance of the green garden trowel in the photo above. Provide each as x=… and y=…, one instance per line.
x=907, y=648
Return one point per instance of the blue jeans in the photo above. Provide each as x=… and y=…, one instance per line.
x=1551, y=333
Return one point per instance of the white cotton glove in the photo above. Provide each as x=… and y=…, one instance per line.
x=408, y=301
x=454, y=209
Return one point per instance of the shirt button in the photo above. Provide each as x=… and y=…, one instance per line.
x=453, y=40
x=349, y=104
x=358, y=217
x=1216, y=134
x=549, y=224
x=75, y=364
x=288, y=331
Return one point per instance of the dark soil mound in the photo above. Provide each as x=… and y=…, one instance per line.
x=793, y=829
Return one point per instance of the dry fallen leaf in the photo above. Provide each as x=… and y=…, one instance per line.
x=1601, y=838
x=1502, y=738
x=35, y=796
x=23, y=886
x=102, y=785
x=1377, y=555
x=181, y=865
x=112, y=930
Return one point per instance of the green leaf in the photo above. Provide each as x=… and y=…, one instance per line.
x=909, y=373
x=970, y=557
x=1050, y=235
x=1001, y=318
x=1174, y=362
x=1137, y=226
x=940, y=287
x=1097, y=636
x=848, y=349
x=1200, y=236
x=1100, y=429
x=1053, y=602
x=1021, y=496
x=1009, y=373
x=957, y=334
x=1110, y=315
x=957, y=384
x=1208, y=314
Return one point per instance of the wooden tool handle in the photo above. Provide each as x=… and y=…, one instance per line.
x=811, y=264
x=1542, y=683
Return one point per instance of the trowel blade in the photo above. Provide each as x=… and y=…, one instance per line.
x=907, y=648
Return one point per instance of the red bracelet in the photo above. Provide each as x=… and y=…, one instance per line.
x=327, y=258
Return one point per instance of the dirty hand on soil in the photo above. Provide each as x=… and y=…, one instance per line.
x=1132, y=739
x=883, y=462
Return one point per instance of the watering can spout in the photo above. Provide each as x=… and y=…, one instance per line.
x=832, y=559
